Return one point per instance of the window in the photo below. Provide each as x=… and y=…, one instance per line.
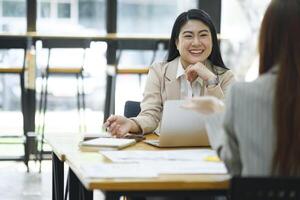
x=10, y=83
x=71, y=16
x=150, y=16
x=64, y=10
x=13, y=16
x=13, y=9
x=92, y=14
x=45, y=9
x=240, y=23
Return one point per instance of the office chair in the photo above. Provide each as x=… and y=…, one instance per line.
x=132, y=109
x=264, y=188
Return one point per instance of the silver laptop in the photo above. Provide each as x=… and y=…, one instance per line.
x=180, y=127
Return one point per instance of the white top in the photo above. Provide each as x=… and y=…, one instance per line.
x=187, y=89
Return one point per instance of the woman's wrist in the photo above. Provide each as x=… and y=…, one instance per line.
x=134, y=127
x=213, y=81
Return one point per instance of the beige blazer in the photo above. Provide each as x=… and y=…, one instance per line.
x=162, y=85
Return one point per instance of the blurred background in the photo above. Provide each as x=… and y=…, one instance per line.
x=238, y=25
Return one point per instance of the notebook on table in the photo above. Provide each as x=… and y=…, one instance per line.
x=94, y=135
x=180, y=127
x=105, y=134
x=105, y=143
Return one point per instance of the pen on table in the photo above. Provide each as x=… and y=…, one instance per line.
x=137, y=137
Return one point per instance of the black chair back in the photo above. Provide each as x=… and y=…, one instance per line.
x=265, y=188
x=132, y=108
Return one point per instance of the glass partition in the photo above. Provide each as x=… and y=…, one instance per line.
x=240, y=23
x=150, y=16
x=71, y=16
x=13, y=16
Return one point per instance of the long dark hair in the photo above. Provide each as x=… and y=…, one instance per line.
x=279, y=46
x=197, y=14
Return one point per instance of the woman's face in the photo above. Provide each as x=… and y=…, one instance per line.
x=194, y=42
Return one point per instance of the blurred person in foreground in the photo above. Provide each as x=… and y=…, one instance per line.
x=259, y=132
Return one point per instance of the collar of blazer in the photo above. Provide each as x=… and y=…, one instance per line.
x=170, y=69
x=170, y=84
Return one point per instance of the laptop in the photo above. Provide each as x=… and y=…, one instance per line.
x=180, y=127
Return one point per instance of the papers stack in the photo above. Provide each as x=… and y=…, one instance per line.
x=198, y=161
x=143, y=164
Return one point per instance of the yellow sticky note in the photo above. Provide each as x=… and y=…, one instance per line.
x=212, y=159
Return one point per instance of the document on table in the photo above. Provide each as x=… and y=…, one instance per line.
x=144, y=164
x=151, y=169
x=165, y=155
x=118, y=170
x=187, y=167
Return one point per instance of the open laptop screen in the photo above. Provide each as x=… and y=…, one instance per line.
x=181, y=127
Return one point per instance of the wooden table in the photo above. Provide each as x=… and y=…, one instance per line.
x=65, y=149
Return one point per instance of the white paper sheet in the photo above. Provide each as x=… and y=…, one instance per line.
x=118, y=170
x=164, y=155
x=187, y=167
x=151, y=169
x=151, y=163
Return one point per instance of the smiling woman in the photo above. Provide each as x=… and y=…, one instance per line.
x=194, y=67
x=194, y=43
